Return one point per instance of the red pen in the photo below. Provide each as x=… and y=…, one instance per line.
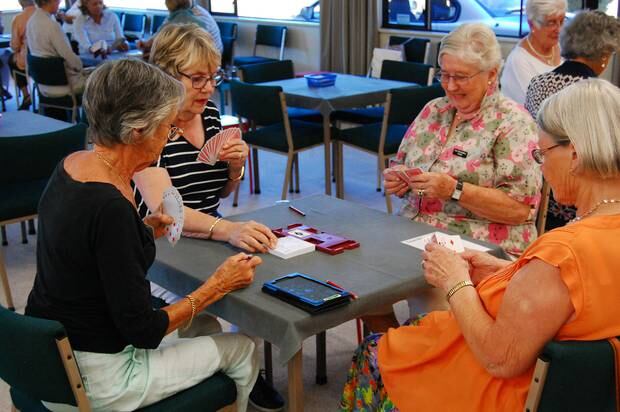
x=329, y=282
x=294, y=209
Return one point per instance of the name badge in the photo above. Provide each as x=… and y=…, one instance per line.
x=460, y=153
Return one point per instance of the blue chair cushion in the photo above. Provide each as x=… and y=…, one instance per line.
x=246, y=60
x=367, y=137
x=364, y=115
x=305, y=134
x=298, y=113
x=24, y=199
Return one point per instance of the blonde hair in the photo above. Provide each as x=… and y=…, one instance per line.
x=474, y=43
x=538, y=10
x=588, y=114
x=179, y=46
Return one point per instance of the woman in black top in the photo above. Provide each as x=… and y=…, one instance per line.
x=587, y=42
x=93, y=253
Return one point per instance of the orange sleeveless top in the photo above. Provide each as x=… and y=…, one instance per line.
x=429, y=367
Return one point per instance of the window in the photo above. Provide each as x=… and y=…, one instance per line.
x=305, y=10
x=10, y=5
x=137, y=4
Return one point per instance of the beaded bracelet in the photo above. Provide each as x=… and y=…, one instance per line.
x=460, y=285
x=213, y=227
x=192, y=302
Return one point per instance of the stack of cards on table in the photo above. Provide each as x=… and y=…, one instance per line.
x=288, y=247
x=404, y=173
x=210, y=152
x=172, y=206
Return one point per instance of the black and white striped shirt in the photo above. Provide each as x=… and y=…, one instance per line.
x=200, y=185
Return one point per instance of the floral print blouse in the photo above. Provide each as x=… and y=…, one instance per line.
x=492, y=149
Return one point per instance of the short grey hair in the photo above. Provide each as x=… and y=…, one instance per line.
x=591, y=35
x=538, y=10
x=587, y=113
x=474, y=43
x=26, y=3
x=128, y=94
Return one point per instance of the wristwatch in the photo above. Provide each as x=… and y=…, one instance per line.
x=458, y=191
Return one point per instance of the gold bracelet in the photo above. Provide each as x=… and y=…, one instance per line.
x=236, y=179
x=213, y=227
x=460, y=285
x=192, y=302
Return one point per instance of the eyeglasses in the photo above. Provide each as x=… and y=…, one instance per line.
x=458, y=79
x=174, y=133
x=199, y=81
x=552, y=23
x=539, y=154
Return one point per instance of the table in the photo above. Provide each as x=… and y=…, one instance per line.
x=25, y=123
x=379, y=275
x=88, y=60
x=348, y=92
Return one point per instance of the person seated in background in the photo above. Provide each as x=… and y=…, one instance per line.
x=17, y=60
x=482, y=351
x=538, y=52
x=93, y=253
x=587, y=42
x=45, y=38
x=185, y=11
x=97, y=27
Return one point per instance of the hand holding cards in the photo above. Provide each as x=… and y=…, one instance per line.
x=403, y=173
x=172, y=205
x=452, y=242
x=209, y=153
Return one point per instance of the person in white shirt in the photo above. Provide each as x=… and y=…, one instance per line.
x=538, y=52
x=69, y=16
x=96, y=26
x=45, y=38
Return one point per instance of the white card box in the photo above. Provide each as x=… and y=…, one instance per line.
x=289, y=247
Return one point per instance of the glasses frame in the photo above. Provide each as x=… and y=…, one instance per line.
x=199, y=81
x=457, y=79
x=174, y=133
x=539, y=154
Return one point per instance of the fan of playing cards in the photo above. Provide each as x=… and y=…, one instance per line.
x=404, y=173
x=210, y=152
x=172, y=206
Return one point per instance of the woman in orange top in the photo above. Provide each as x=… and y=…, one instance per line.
x=480, y=355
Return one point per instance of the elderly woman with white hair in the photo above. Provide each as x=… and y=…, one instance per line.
x=538, y=52
x=474, y=147
x=480, y=354
x=93, y=253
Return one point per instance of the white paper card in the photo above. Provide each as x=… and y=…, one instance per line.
x=419, y=242
x=288, y=247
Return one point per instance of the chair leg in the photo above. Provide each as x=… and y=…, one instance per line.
x=380, y=163
x=321, y=358
x=24, y=237
x=268, y=363
x=287, y=174
x=290, y=182
x=236, y=197
x=4, y=278
x=388, y=203
x=297, y=173
x=31, y=229
x=255, y=166
x=4, y=240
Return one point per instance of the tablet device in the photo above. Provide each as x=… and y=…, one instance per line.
x=307, y=293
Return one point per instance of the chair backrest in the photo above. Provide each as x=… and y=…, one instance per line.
x=416, y=49
x=134, y=24
x=574, y=376
x=379, y=55
x=397, y=40
x=418, y=73
x=227, y=29
x=48, y=71
x=228, y=51
x=274, y=36
x=34, y=157
x=31, y=362
x=408, y=102
x=259, y=104
x=267, y=72
x=156, y=21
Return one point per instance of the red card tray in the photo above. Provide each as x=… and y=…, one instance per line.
x=323, y=241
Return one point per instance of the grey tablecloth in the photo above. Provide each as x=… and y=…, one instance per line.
x=25, y=123
x=381, y=271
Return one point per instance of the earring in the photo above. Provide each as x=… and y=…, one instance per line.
x=603, y=65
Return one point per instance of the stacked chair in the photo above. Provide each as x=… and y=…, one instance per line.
x=266, y=37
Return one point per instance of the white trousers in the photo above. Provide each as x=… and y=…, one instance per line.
x=135, y=378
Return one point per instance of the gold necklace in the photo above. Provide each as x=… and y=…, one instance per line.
x=596, y=206
x=548, y=58
x=110, y=166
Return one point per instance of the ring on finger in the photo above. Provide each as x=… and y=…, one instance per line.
x=420, y=192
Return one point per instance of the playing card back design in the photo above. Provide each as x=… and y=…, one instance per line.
x=210, y=152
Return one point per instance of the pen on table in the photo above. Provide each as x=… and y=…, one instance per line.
x=294, y=209
x=329, y=282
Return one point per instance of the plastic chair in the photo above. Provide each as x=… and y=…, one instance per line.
x=266, y=36
x=417, y=50
x=156, y=21
x=227, y=29
x=50, y=71
x=575, y=376
x=265, y=106
x=41, y=366
x=133, y=26
x=383, y=139
x=27, y=163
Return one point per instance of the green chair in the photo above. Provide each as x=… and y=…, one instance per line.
x=27, y=163
x=383, y=139
x=265, y=106
x=38, y=364
x=50, y=71
x=575, y=376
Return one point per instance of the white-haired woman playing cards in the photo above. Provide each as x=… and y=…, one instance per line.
x=93, y=253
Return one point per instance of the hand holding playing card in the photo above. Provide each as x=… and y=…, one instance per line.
x=172, y=205
x=442, y=267
x=158, y=222
x=210, y=152
x=397, y=179
x=234, y=152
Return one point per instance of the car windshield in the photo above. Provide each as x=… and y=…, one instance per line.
x=500, y=8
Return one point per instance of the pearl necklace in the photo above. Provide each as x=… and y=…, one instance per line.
x=596, y=206
x=548, y=58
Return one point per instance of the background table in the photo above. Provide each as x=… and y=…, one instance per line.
x=88, y=60
x=348, y=92
x=381, y=271
x=25, y=123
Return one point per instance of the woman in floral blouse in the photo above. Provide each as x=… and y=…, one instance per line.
x=474, y=146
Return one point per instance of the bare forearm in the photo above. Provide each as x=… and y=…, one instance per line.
x=179, y=313
x=493, y=204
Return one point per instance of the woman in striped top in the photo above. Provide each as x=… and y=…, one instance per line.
x=187, y=53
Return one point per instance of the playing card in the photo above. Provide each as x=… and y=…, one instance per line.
x=172, y=205
x=452, y=242
x=404, y=173
x=419, y=242
x=209, y=153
